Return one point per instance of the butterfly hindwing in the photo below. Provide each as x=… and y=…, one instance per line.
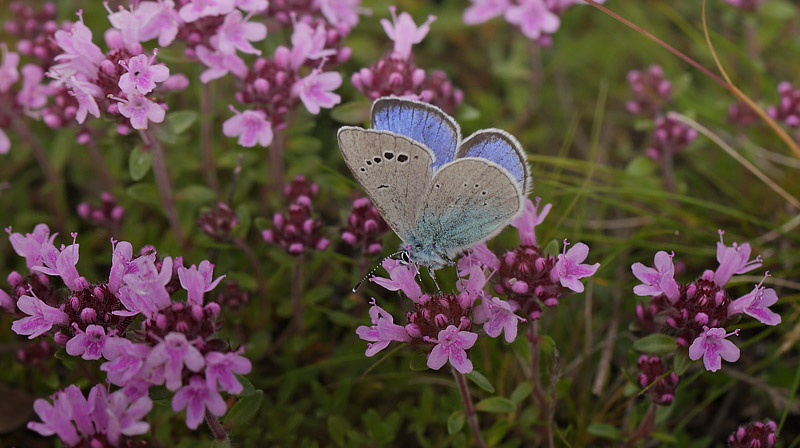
x=469, y=200
x=501, y=148
x=422, y=122
x=392, y=169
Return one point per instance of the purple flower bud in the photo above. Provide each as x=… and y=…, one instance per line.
x=88, y=315
x=440, y=320
x=520, y=287
x=60, y=338
x=413, y=331
x=15, y=279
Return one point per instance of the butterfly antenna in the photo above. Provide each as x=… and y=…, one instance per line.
x=369, y=274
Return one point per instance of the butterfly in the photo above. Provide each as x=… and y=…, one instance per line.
x=440, y=194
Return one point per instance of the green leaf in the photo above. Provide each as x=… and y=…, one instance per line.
x=196, y=193
x=247, y=386
x=664, y=437
x=522, y=392
x=481, y=381
x=418, y=362
x=139, y=163
x=262, y=223
x=158, y=393
x=641, y=166
x=165, y=132
x=605, y=431
x=355, y=112
x=244, y=410
x=496, y=405
x=181, y=120
x=455, y=423
x=337, y=428
x=66, y=359
x=681, y=362
x=144, y=192
x=657, y=344
x=779, y=10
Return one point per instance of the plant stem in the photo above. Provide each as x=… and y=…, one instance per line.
x=163, y=183
x=100, y=166
x=538, y=392
x=297, y=294
x=207, y=135
x=216, y=428
x=469, y=409
x=645, y=428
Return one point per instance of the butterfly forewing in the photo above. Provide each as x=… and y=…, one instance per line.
x=421, y=122
x=468, y=201
x=393, y=170
x=501, y=148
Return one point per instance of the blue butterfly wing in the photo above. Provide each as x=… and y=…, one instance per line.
x=469, y=201
x=422, y=122
x=501, y=148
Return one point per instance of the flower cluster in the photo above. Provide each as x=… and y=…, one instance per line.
x=365, y=227
x=442, y=322
x=296, y=231
x=741, y=115
x=696, y=313
x=34, y=30
x=529, y=277
x=669, y=138
x=788, y=108
x=651, y=91
x=108, y=214
x=396, y=74
x=652, y=368
x=174, y=343
x=756, y=434
x=219, y=222
x=537, y=19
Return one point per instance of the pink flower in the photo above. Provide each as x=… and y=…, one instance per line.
x=451, y=345
x=479, y=255
x=568, y=269
x=733, y=260
x=711, y=346
x=316, y=90
x=30, y=245
x=236, y=33
x=251, y=126
x=62, y=263
x=173, y=353
x=196, y=9
x=41, y=317
x=125, y=359
x=5, y=143
x=252, y=5
x=120, y=260
x=222, y=366
x=89, y=344
x=195, y=398
x=404, y=32
x=125, y=415
x=8, y=69
x=145, y=290
x=146, y=20
x=198, y=281
x=57, y=418
x=219, y=64
x=472, y=288
x=343, y=12
x=141, y=110
x=84, y=93
x=401, y=277
x=530, y=218
x=756, y=304
x=498, y=316
x=660, y=280
x=533, y=18
x=382, y=332
x=80, y=55
x=309, y=43
x=142, y=75
x=33, y=94
x=484, y=10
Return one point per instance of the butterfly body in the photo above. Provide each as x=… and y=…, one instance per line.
x=439, y=194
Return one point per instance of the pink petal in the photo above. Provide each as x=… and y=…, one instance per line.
x=438, y=357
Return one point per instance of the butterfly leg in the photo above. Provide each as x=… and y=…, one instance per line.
x=433, y=276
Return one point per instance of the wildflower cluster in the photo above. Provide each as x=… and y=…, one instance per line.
x=365, y=227
x=396, y=74
x=297, y=231
x=697, y=313
x=444, y=322
x=756, y=434
x=537, y=19
x=788, y=108
x=109, y=214
x=175, y=343
x=651, y=93
x=746, y=5
x=219, y=222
